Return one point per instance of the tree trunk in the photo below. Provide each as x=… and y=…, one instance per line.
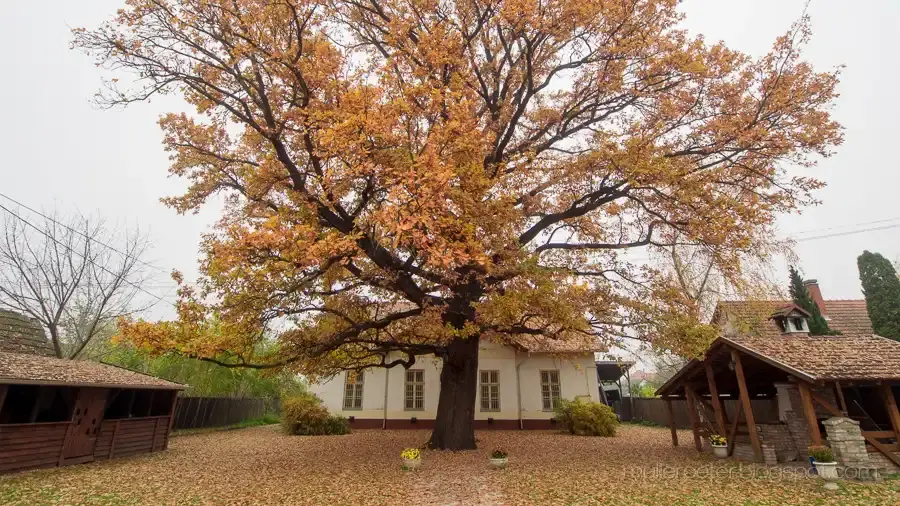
x=454, y=425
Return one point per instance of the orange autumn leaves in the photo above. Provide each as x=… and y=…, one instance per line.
x=383, y=161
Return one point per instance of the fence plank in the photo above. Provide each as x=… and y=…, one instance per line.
x=202, y=412
x=654, y=410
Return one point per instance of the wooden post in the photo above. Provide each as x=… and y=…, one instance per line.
x=734, y=425
x=671, y=416
x=891, y=404
x=809, y=411
x=748, y=406
x=692, y=412
x=714, y=397
x=840, y=396
x=112, y=444
x=3, y=390
x=171, y=419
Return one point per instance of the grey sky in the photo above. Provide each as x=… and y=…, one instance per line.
x=60, y=150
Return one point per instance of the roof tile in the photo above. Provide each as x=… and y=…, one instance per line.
x=20, y=368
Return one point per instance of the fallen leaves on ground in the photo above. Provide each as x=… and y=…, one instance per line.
x=261, y=466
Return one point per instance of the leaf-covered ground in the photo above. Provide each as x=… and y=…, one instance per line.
x=261, y=466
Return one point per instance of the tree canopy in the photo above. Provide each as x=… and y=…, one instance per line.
x=881, y=287
x=818, y=326
x=405, y=177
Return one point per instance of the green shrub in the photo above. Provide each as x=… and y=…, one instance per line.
x=821, y=454
x=587, y=418
x=304, y=414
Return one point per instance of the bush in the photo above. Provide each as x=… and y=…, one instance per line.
x=304, y=415
x=587, y=418
x=821, y=454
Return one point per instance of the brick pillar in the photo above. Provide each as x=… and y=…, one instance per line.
x=847, y=443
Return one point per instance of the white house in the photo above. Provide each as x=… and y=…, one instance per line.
x=518, y=387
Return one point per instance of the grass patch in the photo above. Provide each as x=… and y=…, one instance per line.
x=268, y=419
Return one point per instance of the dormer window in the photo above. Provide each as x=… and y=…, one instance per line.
x=791, y=320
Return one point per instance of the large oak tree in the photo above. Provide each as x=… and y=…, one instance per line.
x=406, y=177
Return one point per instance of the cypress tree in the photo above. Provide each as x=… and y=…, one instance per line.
x=882, y=290
x=800, y=295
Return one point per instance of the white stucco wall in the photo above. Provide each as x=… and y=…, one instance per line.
x=577, y=376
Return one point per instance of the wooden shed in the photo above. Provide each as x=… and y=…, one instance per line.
x=56, y=412
x=813, y=379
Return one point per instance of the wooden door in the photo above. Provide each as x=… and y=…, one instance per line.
x=82, y=436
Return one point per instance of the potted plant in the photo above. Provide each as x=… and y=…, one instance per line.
x=719, y=445
x=499, y=459
x=412, y=458
x=826, y=467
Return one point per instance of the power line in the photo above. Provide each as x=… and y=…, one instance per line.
x=67, y=227
x=53, y=239
x=846, y=226
x=848, y=232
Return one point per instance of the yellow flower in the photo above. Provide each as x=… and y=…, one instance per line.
x=410, y=454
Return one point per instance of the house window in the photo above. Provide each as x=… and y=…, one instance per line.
x=799, y=325
x=353, y=390
x=490, y=390
x=414, y=398
x=550, y=389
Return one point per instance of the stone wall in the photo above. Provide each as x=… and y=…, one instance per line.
x=778, y=438
x=847, y=443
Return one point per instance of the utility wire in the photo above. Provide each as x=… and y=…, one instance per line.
x=48, y=236
x=847, y=232
x=79, y=232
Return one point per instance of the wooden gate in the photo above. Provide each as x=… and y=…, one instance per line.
x=85, y=426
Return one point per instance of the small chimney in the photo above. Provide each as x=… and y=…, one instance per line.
x=815, y=293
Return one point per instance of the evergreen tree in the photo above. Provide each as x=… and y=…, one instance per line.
x=800, y=295
x=882, y=290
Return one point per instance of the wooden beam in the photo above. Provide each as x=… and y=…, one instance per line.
x=840, y=397
x=748, y=406
x=692, y=412
x=825, y=404
x=891, y=404
x=714, y=397
x=883, y=449
x=810, y=412
x=671, y=416
x=734, y=425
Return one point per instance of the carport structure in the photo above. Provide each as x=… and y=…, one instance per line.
x=813, y=377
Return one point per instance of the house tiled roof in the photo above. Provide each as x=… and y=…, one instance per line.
x=844, y=357
x=542, y=344
x=849, y=317
x=27, y=369
x=20, y=334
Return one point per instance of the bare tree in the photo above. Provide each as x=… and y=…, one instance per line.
x=63, y=273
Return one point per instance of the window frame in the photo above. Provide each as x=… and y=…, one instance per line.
x=358, y=386
x=553, y=398
x=491, y=385
x=413, y=387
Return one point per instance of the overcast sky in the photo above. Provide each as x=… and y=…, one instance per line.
x=61, y=151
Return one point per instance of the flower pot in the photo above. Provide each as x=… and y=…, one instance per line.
x=499, y=463
x=410, y=464
x=828, y=472
x=720, y=451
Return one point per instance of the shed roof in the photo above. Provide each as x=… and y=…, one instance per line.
x=810, y=358
x=21, y=334
x=611, y=370
x=27, y=369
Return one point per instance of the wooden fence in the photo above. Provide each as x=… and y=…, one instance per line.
x=201, y=412
x=654, y=410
